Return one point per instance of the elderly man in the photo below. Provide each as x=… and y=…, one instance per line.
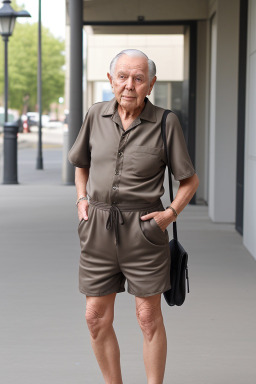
x=120, y=163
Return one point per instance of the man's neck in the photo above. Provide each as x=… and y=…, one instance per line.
x=130, y=115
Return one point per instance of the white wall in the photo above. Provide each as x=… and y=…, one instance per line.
x=165, y=50
x=223, y=113
x=250, y=137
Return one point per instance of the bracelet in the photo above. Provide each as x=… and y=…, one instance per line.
x=174, y=211
x=80, y=199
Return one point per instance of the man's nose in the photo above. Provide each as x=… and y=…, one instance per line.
x=129, y=83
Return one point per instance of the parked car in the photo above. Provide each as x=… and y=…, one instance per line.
x=32, y=119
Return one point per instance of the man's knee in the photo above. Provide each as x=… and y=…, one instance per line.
x=149, y=318
x=98, y=320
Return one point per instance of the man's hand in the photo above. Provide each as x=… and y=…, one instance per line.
x=83, y=210
x=162, y=218
x=185, y=193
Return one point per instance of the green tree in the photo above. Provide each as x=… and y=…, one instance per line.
x=22, y=66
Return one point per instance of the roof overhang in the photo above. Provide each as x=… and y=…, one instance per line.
x=141, y=16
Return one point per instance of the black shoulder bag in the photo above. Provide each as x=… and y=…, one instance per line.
x=179, y=257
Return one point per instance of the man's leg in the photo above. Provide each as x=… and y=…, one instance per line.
x=99, y=316
x=149, y=314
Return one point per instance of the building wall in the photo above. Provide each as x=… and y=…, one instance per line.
x=250, y=139
x=223, y=111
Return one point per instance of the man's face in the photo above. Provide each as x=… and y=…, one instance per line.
x=130, y=82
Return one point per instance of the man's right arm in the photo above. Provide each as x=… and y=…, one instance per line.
x=81, y=178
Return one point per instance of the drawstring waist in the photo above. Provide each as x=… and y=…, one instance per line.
x=115, y=216
x=115, y=212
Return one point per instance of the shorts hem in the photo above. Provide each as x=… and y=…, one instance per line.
x=98, y=294
x=148, y=294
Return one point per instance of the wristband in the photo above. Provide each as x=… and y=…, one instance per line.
x=174, y=211
x=80, y=199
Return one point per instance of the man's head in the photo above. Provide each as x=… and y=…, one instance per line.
x=134, y=53
x=132, y=77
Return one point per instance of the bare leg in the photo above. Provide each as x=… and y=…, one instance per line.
x=149, y=314
x=99, y=316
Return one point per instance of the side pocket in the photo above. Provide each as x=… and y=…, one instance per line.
x=152, y=232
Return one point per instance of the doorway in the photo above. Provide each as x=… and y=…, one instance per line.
x=176, y=94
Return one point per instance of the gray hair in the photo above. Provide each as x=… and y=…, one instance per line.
x=134, y=53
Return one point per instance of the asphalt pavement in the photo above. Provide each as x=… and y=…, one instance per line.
x=43, y=334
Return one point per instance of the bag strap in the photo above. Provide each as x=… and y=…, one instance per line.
x=163, y=132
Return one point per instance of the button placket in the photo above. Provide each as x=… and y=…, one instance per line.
x=118, y=168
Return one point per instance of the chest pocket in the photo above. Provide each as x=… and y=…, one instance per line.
x=146, y=161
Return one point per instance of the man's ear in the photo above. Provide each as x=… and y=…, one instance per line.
x=110, y=78
x=152, y=85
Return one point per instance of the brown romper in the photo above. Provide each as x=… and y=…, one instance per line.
x=125, y=182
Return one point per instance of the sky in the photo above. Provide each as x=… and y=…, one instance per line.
x=52, y=14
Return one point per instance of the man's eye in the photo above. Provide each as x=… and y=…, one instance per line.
x=138, y=79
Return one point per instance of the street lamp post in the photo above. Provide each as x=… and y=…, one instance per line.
x=39, y=159
x=7, y=22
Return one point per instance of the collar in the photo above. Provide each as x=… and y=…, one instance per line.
x=148, y=113
x=110, y=108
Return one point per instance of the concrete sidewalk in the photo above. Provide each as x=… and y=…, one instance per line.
x=44, y=338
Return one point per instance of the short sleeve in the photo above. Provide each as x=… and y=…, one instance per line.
x=80, y=154
x=181, y=164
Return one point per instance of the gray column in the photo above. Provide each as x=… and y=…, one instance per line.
x=250, y=135
x=223, y=112
x=76, y=78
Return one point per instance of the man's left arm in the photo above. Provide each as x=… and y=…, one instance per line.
x=185, y=193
